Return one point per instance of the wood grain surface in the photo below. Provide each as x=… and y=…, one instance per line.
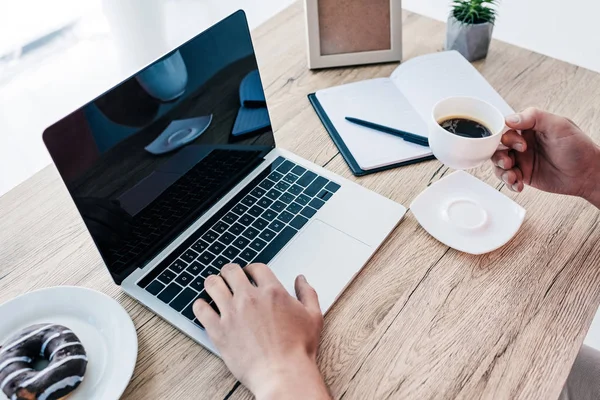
x=421, y=321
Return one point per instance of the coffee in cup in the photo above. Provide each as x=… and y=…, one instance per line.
x=465, y=131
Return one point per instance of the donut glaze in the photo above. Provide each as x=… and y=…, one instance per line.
x=55, y=343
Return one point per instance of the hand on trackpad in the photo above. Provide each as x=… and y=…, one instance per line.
x=326, y=256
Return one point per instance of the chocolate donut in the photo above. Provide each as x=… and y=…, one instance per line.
x=55, y=343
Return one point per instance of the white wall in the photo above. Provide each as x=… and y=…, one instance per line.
x=567, y=30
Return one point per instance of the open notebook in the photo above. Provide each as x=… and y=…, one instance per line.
x=403, y=101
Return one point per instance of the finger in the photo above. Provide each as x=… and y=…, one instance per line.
x=502, y=159
x=206, y=315
x=307, y=295
x=509, y=177
x=217, y=289
x=538, y=120
x=235, y=277
x=261, y=274
x=513, y=140
x=519, y=184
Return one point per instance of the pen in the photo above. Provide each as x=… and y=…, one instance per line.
x=409, y=137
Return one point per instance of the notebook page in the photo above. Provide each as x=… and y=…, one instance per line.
x=425, y=80
x=379, y=101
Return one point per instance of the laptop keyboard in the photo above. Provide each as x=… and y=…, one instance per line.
x=253, y=227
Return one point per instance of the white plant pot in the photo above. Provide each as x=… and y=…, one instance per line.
x=472, y=41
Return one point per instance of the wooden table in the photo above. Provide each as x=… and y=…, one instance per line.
x=421, y=320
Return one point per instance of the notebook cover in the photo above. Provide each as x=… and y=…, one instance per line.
x=348, y=157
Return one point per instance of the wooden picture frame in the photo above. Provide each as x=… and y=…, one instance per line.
x=353, y=32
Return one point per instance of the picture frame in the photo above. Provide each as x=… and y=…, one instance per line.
x=353, y=32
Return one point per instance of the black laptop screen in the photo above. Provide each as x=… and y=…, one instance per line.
x=147, y=158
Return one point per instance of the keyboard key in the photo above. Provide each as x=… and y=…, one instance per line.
x=276, y=225
x=275, y=176
x=248, y=255
x=155, y=287
x=294, y=208
x=170, y=292
x=189, y=255
x=303, y=199
x=278, y=206
x=324, y=195
x=267, y=235
x=283, y=186
x=316, y=203
x=285, y=217
x=306, y=179
x=255, y=211
x=273, y=194
x=195, y=268
x=167, y=276
x=220, y=262
x=258, y=244
x=277, y=162
x=258, y=192
x=241, y=242
x=217, y=248
x=240, y=209
x=220, y=227
x=246, y=220
x=226, y=238
x=314, y=187
x=204, y=296
x=308, y=212
x=248, y=201
x=295, y=190
x=287, y=198
x=189, y=311
x=210, y=236
x=200, y=246
x=240, y=262
x=198, y=284
x=230, y=218
x=285, y=167
x=332, y=187
x=231, y=253
x=250, y=233
x=206, y=258
x=298, y=222
x=298, y=170
x=178, y=266
x=265, y=202
x=184, y=279
x=269, y=215
x=290, y=178
x=260, y=224
x=183, y=299
x=236, y=229
x=276, y=245
x=210, y=271
x=266, y=184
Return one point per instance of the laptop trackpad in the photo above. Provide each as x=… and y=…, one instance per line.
x=326, y=256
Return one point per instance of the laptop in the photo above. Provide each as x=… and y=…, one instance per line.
x=175, y=173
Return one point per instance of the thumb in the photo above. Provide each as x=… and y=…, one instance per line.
x=536, y=119
x=307, y=295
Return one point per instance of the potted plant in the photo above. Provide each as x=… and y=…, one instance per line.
x=470, y=26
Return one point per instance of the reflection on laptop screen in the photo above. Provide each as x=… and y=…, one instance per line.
x=146, y=159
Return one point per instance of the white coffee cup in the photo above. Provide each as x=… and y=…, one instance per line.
x=460, y=152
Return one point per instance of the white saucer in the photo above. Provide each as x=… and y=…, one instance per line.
x=102, y=325
x=466, y=214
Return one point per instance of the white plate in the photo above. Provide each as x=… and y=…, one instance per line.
x=466, y=214
x=104, y=327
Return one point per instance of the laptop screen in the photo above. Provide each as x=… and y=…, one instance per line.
x=149, y=157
